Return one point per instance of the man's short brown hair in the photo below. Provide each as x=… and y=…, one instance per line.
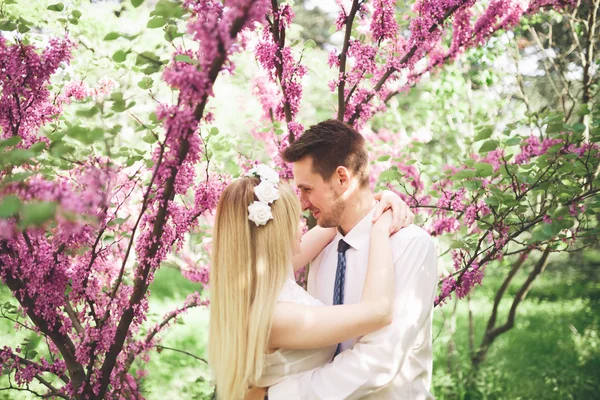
x=331, y=144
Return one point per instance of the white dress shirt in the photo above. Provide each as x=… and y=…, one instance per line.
x=394, y=362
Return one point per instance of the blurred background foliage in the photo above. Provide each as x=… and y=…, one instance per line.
x=553, y=352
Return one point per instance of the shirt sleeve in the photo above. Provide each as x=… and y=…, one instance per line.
x=376, y=359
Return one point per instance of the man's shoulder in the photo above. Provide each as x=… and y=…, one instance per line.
x=412, y=238
x=410, y=232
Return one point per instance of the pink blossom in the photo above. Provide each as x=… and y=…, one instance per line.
x=383, y=22
x=576, y=209
x=449, y=225
x=24, y=82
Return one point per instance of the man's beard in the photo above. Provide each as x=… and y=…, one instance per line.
x=331, y=218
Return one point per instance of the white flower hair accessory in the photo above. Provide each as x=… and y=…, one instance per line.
x=266, y=191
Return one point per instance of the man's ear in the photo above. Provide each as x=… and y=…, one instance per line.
x=342, y=177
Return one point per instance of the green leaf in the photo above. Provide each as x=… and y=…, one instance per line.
x=112, y=36
x=23, y=28
x=38, y=147
x=117, y=221
x=168, y=9
x=484, y=169
x=472, y=185
x=156, y=22
x=488, y=146
x=388, y=175
x=85, y=135
x=88, y=113
x=76, y=14
x=384, y=158
x=185, y=58
x=7, y=26
x=56, y=7
x=540, y=233
x=171, y=33
x=149, y=138
x=560, y=212
x=513, y=141
x=145, y=83
x=9, y=206
x=464, y=174
x=136, y=3
x=151, y=69
x=556, y=127
x=457, y=245
x=119, y=106
x=310, y=44
x=566, y=168
x=147, y=57
x=12, y=141
x=120, y=56
x=579, y=127
x=36, y=213
x=484, y=133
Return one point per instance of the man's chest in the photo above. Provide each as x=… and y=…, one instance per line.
x=323, y=273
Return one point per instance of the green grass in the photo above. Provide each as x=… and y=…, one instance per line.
x=553, y=352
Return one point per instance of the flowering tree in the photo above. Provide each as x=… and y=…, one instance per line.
x=84, y=231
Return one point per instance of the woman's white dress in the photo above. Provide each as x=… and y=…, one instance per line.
x=286, y=362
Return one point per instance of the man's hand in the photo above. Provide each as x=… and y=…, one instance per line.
x=256, y=394
x=401, y=214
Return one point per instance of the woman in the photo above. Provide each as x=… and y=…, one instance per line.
x=263, y=326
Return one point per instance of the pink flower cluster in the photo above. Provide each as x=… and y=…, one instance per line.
x=24, y=96
x=533, y=147
x=79, y=90
x=26, y=370
x=383, y=20
x=499, y=14
x=277, y=60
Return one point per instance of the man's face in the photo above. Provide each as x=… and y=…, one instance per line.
x=323, y=199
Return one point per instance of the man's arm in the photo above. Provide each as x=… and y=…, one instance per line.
x=376, y=359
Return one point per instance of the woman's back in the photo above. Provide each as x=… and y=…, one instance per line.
x=285, y=362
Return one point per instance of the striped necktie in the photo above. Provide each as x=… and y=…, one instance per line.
x=340, y=278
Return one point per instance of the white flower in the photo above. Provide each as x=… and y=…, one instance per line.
x=266, y=192
x=259, y=213
x=267, y=174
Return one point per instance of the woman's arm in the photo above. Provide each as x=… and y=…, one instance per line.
x=313, y=242
x=402, y=215
x=297, y=326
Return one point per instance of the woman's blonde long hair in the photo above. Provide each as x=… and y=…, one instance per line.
x=249, y=268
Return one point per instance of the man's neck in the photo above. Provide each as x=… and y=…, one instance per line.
x=356, y=208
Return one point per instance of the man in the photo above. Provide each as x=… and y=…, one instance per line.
x=330, y=163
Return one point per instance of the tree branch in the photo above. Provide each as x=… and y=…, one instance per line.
x=492, y=334
x=402, y=61
x=143, y=270
x=343, y=57
x=182, y=351
x=62, y=341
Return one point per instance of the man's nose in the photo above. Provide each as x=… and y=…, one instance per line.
x=304, y=203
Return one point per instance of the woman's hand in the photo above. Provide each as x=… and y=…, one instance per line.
x=256, y=393
x=402, y=216
x=383, y=224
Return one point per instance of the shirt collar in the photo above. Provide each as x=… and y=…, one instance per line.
x=359, y=234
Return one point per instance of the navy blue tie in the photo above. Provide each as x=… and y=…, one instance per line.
x=340, y=279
